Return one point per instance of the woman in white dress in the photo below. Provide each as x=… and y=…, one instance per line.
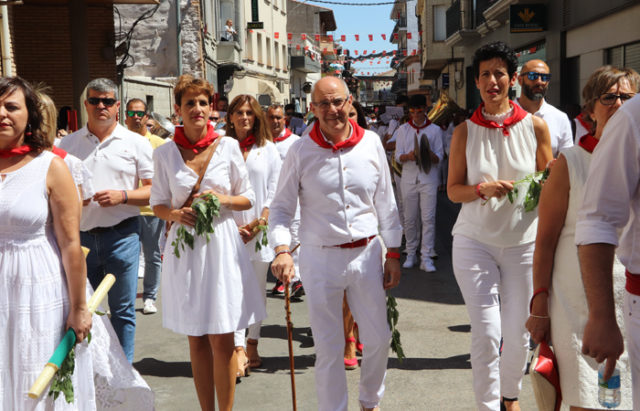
x=493, y=239
x=247, y=123
x=559, y=307
x=39, y=243
x=210, y=290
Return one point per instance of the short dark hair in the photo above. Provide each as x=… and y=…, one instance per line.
x=417, y=100
x=37, y=140
x=289, y=106
x=497, y=49
x=401, y=99
x=137, y=100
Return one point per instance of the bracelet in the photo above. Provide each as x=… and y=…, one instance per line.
x=282, y=252
x=391, y=254
x=125, y=196
x=541, y=290
x=543, y=317
x=479, y=194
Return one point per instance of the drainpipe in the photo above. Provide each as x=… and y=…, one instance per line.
x=6, y=48
x=179, y=37
x=241, y=24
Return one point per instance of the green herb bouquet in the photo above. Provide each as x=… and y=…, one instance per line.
x=207, y=207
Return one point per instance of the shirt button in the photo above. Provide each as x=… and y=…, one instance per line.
x=344, y=168
x=348, y=206
x=349, y=225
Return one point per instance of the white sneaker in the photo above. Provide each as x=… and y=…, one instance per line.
x=410, y=261
x=428, y=266
x=149, y=306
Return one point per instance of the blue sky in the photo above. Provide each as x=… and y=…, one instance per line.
x=364, y=20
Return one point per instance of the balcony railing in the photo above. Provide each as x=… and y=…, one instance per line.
x=454, y=18
x=481, y=6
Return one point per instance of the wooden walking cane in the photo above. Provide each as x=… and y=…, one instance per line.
x=287, y=308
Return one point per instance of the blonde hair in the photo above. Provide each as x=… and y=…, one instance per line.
x=49, y=115
x=603, y=79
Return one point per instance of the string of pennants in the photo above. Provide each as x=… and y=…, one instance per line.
x=364, y=56
x=341, y=37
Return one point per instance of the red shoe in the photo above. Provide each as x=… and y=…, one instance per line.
x=350, y=363
x=278, y=289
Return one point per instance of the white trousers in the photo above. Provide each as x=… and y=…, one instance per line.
x=632, y=343
x=326, y=273
x=496, y=284
x=419, y=202
x=260, y=268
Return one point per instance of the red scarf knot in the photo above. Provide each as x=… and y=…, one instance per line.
x=246, y=144
x=181, y=140
x=588, y=142
x=59, y=152
x=356, y=136
x=518, y=114
x=286, y=135
x=418, y=128
x=17, y=151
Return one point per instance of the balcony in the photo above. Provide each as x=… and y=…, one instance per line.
x=460, y=30
x=228, y=53
x=305, y=64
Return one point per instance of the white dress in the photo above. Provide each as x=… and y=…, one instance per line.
x=210, y=289
x=568, y=305
x=263, y=165
x=34, y=306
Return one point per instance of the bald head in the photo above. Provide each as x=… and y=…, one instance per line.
x=329, y=83
x=330, y=103
x=535, y=65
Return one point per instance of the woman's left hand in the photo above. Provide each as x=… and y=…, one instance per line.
x=247, y=233
x=80, y=320
x=539, y=328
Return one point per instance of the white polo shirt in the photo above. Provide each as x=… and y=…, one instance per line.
x=284, y=145
x=559, y=126
x=117, y=163
x=612, y=195
x=345, y=195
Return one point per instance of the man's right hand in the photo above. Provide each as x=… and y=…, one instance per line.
x=602, y=340
x=283, y=268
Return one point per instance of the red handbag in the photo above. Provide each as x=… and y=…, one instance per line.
x=545, y=378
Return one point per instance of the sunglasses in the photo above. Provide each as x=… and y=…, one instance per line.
x=131, y=113
x=107, y=101
x=214, y=118
x=609, y=99
x=533, y=76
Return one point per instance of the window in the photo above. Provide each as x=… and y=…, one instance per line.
x=149, y=103
x=259, y=48
x=285, y=62
x=269, y=62
x=276, y=48
x=439, y=23
x=627, y=55
x=250, y=46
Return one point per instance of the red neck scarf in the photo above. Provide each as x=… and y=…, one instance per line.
x=356, y=136
x=17, y=151
x=518, y=114
x=418, y=128
x=59, y=152
x=287, y=134
x=181, y=140
x=588, y=142
x=582, y=121
x=246, y=144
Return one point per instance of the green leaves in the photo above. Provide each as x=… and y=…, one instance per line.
x=264, y=241
x=61, y=382
x=206, y=207
x=535, y=181
x=392, y=319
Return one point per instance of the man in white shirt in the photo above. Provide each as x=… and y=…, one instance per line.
x=419, y=182
x=339, y=173
x=534, y=80
x=611, y=204
x=283, y=139
x=120, y=162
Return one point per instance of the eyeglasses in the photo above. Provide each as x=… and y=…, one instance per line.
x=214, y=118
x=609, y=99
x=326, y=104
x=533, y=76
x=131, y=113
x=107, y=101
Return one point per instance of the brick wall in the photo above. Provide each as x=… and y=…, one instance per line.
x=42, y=46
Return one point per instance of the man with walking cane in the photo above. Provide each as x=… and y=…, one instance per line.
x=339, y=173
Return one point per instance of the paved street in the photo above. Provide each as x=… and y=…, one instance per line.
x=436, y=375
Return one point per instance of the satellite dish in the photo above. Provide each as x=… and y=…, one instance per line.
x=164, y=123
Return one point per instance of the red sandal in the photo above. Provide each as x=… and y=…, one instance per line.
x=350, y=363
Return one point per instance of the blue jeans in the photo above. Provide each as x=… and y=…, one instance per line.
x=151, y=228
x=116, y=250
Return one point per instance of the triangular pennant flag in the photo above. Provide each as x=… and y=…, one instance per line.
x=395, y=36
x=357, y=37
x=330, y=37
x=413, y=52
x=409, y=35
x=324, y=50
x=297, y=47
x=306, y=48
x=364, y=52
x=303, y=36
x=420, y=33
x=290, y=36
x=355, y=52
x=384, y=36
x=276, y=35
x=317, y=37
x=370, y=37
x=384, y=52
x=404, y=52
x=394, y=52
x=343, y=38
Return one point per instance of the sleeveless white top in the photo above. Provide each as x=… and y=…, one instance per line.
x=493, y=156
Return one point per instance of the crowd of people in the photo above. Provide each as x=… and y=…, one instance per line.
x=324, y=206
